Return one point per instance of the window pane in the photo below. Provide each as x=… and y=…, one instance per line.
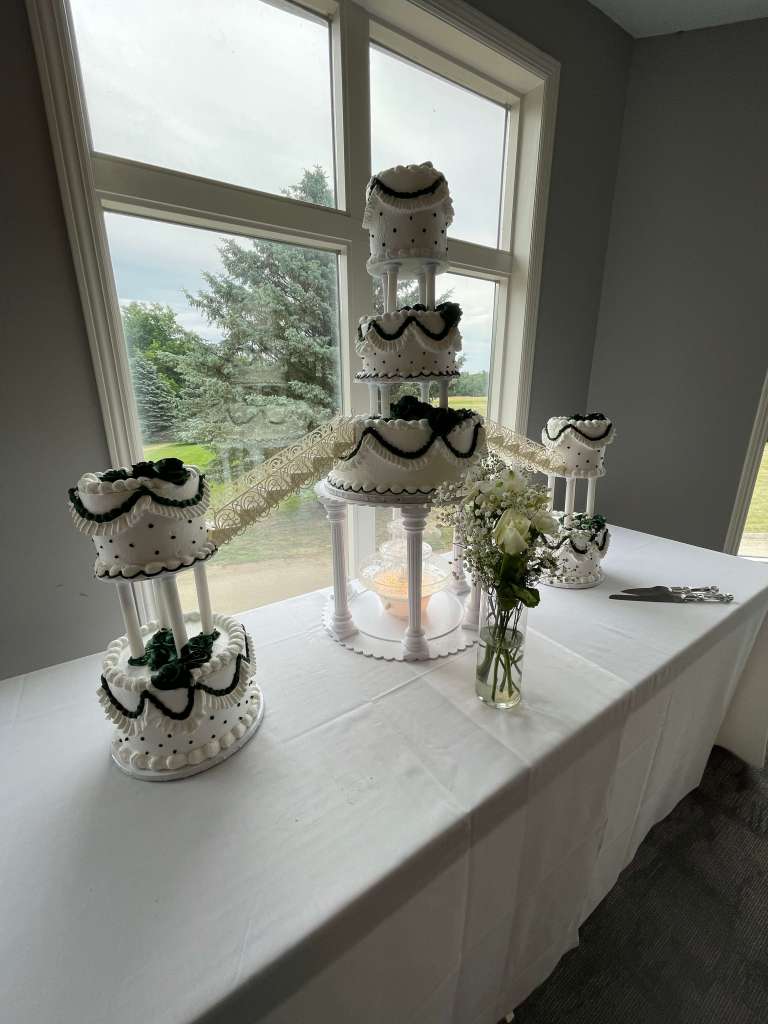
x=233, y=344
x=477, y=299
x=234, y=90
x=417, y=116
x=754, y=541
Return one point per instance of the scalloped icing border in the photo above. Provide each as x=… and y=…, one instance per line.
x=238, y=643
x=198, y=755
x=144, y=504
x=147, y=572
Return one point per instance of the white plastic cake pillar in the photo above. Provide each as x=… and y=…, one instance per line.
x=429, y=301
x=424, y=388
x=591, y=489
x=459, y=584
x=551, y=490
x=162, y=613
x=415, y=646
x=342, y=623
x=391, y=290
x=373, y=399
x=443, y=390
x=385, y=391
x=130, y=618
x=422, y=289
x=203, y=598
x=472, y=609
x=570, y=495
x=173, y=609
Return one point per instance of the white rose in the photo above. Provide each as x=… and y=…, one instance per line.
x=512, y=482
x=511, y=532
x=546, y=523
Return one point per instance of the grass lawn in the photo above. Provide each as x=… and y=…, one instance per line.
x=192, y=454
x=757, y=519
x=478, y=403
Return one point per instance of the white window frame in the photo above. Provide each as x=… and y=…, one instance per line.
x=508, y=69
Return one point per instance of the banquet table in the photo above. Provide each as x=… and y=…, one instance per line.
x=387, y=849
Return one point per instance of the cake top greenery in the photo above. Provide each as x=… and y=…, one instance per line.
x=173, y=471
x=442, y=421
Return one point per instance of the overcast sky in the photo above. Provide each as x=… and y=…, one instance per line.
x=239, y=90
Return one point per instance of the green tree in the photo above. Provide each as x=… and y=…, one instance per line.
x=274, y=374
x=155, y=400
x=152, y=331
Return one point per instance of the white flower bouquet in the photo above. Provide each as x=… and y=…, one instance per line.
x=502, y=518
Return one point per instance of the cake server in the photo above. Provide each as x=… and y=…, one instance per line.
x=671, y=590
x=665, y=596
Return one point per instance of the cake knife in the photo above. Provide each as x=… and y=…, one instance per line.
x=666, y=596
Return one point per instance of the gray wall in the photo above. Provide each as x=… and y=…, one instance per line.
x=595, y=55
x=53, y=610
x=50, y=607
x=682, y=343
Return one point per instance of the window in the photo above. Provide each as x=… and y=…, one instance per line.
x=213, y=169
x=461, y=132
x=209, y=89
x=754, y=539
x=233, y=350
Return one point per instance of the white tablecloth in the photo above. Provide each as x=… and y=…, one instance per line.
x=386, y=849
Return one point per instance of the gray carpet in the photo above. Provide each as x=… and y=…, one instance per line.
x=683, y=936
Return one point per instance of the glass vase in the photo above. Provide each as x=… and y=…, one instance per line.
x=500, y=651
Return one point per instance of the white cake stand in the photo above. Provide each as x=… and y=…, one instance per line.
x=358, y=621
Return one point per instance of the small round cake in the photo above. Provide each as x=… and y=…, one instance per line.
x=579, y=548
x=407, y=214
x=144, y=520
x=173, y=712
x=414, y=451
x=581, y=440
x=412, y=342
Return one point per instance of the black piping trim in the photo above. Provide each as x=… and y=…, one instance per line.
x=449, y=322
x=575, y=429
x=377, y=183
x=178, y=716
x=115, y=513
x=420, y=452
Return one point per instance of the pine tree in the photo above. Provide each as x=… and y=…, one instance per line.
x=274, y=374
x=155, y=401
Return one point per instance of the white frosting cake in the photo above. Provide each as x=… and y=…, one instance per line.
x=581, y=440
x=579, y=550
x=144, y=520
x=414, y=455
x=407, y=214
x=186, y=710
x=410, y=343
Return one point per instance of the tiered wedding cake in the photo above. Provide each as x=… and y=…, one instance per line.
x=179, y=691
x=583, y=539
x=409, y=447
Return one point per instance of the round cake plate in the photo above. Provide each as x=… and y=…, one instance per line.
x=379, y=634
x=168, y=775
x=574, y=586
x=141, y=577
x=375, y=498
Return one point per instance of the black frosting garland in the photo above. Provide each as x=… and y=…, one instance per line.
x=115, y=513
x=377, y=183
x=450, y=311
x=178, y=716
x=575, y=429
x=441, y=422
x=594, y=524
